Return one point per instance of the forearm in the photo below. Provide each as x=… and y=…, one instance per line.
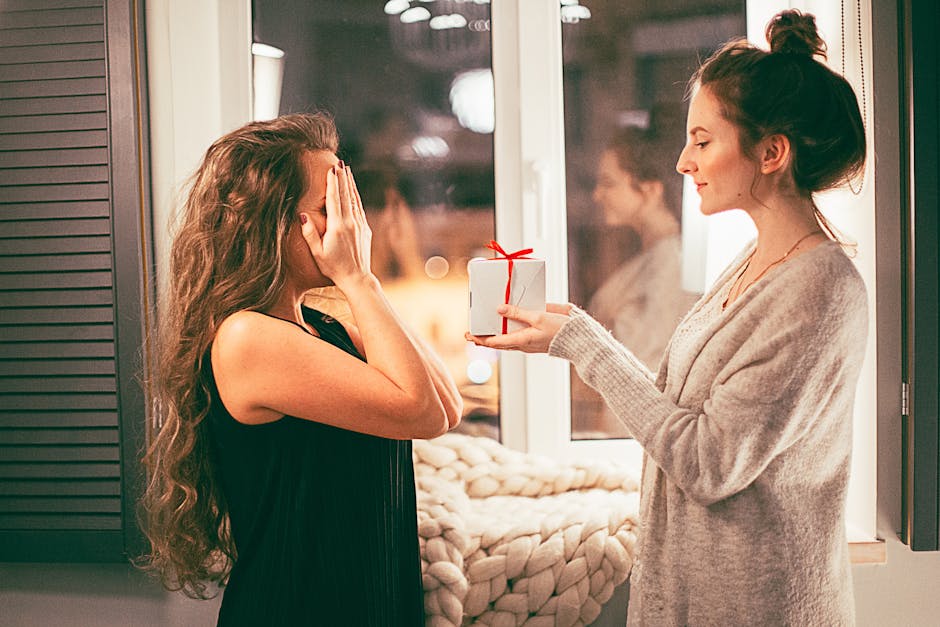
x=389, y=347
x=611, y=369
x=444, y=383
x=718, y=448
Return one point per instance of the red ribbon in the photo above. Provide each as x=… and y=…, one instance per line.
x=502, y=254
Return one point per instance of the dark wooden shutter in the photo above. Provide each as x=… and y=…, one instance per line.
x=73, y=227
x=920, y=141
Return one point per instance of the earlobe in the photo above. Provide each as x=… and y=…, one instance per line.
x=652, y=189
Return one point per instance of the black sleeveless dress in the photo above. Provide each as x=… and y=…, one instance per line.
x=324, y=520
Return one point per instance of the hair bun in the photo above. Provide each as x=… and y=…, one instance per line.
x=793, y=32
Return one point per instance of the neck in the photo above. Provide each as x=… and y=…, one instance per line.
x=779, y=225
x=659, y=223
x=288, y=305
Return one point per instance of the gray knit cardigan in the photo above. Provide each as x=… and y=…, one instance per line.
x=747, y=449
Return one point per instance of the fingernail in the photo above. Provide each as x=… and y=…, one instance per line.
x=502, y=309
x=303, y=218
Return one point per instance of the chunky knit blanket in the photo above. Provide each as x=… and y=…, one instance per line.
x=515, y=539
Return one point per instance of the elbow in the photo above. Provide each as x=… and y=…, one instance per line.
x=707, y=491
x=432, y=427
x=705, y=498
x=430, y=415
x=454, y=412
x=432, y=420
x=440, y=413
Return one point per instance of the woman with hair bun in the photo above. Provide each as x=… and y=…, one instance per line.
x=747, y=426
x=280, y=461
x=642, y=301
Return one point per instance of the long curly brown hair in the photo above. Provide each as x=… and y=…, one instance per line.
x=227, y=256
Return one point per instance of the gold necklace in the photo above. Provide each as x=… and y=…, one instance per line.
x=747, y=264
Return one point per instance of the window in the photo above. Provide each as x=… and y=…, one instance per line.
x=562, y=98
x=635, y=241
x=543, y=147
x=411, y=88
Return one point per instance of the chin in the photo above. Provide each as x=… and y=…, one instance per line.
x=710, y=210
x=322, y=281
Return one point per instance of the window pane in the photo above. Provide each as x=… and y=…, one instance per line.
x=410, y=86
x=626, y=67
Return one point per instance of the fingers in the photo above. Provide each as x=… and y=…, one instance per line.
x=358, y=211
x=526, y=340
x=500, y=342
x=559, y=308
x=535, y=338
x=517, y=313
x=345, y=197
x=333, y=199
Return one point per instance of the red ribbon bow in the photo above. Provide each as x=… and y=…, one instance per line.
x=502, y=254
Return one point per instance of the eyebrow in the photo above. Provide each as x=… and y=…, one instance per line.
x=698, y=129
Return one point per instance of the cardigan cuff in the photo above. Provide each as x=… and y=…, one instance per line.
x=610, y=368
x=582, y=334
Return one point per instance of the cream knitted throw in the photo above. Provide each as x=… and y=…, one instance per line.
x=510, y=539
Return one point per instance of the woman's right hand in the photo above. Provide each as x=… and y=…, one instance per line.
x=343, y=252
x=536, y=337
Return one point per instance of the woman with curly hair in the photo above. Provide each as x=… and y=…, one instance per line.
x=747, y=426
x=280, y=463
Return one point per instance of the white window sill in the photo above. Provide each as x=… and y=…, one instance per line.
x=871, y=552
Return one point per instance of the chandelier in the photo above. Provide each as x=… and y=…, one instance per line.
x=451, y=34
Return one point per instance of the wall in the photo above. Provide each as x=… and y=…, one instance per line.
x=199, y=66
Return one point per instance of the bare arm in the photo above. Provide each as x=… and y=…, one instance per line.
x=266, y=368
x=443, y=381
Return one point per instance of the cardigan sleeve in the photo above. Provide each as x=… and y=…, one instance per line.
x=758, y=404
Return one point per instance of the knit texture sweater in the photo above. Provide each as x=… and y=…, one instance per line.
x=747, y=437
x=643, y=300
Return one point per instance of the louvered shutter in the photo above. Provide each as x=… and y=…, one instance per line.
x=73, y=227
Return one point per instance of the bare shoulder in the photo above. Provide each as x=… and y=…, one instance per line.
x=242, y=326
x=242, y=347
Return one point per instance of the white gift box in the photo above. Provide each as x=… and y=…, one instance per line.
x=488, y=278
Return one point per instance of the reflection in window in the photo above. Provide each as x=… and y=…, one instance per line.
x=403, y=81
x=625, y=74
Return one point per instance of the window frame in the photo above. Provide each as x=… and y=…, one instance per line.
x=530, y=173
x=529, y=161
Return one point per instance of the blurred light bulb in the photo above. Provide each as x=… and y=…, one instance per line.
x=394, y=7
x=472, y=100
x=573, y=14
x=479, y=371
x=430, y=147
x=436, y=267
x=443, y=22
x=415, y=14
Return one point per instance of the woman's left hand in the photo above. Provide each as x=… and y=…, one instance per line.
x=543, y=325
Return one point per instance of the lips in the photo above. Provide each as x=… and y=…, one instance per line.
x=699, y=186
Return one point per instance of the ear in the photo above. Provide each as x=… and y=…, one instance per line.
x=652, y=190
x=774, y=152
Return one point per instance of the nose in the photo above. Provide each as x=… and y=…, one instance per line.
x=684, y=165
